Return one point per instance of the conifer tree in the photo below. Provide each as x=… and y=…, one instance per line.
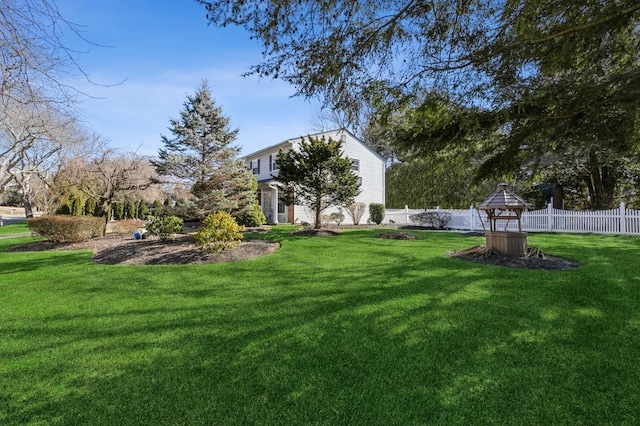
x=201, y=154
x=318, y=175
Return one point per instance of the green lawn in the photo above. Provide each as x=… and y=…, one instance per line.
x=13, y=229
x=345, y=330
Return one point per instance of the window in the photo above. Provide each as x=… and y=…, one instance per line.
x=273, y=166
x=281, y=207
x=255, y=166
x=355, y=165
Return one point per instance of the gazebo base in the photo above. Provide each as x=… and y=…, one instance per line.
x=507, y=243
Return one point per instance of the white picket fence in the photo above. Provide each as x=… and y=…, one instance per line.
x=615, y=221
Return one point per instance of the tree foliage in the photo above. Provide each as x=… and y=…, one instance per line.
x=36, y=62
x=38, y=123
x=550, y=77
x=107, y=177
x=202, y=155
x=354, y=52
x=35, y=140
x=317, y=175
x=202, y=140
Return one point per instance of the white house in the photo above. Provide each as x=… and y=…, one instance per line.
x=366, y=163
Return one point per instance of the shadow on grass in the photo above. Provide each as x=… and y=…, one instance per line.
x=359, y=333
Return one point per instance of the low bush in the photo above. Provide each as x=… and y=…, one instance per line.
x=356, y=210
x=126, y=226
x=376, y=213
x=337, y=217
x=66, y=229
x=325, y=219
x=164, y=226
x=255, y=217
x=218, y=232
x=438, y=220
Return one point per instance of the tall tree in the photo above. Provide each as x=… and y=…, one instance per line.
x=38, y=123
x=202, y=155
x=105, y=178
x=548, y=75
x=36, y=63
x=35, y=139
x=317, y=175
x=357, y=52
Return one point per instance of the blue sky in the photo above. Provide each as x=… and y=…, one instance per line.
x=164, y=49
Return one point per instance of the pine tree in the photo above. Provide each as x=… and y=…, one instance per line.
x=318, y=176
x=201, y=153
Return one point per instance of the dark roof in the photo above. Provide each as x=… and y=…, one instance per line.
x=266, y=180
x=504, y=199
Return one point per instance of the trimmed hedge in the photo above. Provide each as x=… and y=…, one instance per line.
x=66, y=229
x=438, y=220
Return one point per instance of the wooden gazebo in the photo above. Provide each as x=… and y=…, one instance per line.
x=503, y=205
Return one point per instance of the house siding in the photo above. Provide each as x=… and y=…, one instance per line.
x=371, y=171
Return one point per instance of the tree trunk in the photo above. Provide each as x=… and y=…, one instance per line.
x=28, y=209
x=104, y=213
x=318, y=224
x=601, y=183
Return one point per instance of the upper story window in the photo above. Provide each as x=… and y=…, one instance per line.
x=254, y=165
x=272, y=163
x=355, y=165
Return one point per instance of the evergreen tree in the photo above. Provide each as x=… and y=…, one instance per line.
x=318, y=176
x=201, y=153
x=202, y=140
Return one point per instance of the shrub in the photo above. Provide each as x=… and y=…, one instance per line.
x=218, y=232
x=337, y=217
x=66, y=229
x=432, y=219
x=164, y=226
x=324, y=219
x=117, y=210
x=376, y=213
x=126, y=226
x=255, y=217
x=356, y=210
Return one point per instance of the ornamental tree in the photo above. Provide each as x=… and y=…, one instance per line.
x=317, y=175
x=201, y=154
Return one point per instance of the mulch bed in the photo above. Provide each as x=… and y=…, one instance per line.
x=534, y=259
x=397, y=236
x=117, y=249
x=324, y=232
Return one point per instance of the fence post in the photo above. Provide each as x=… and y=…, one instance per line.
x=623, y=219
x=550, y=216
x=472, y=219
x=406, y=214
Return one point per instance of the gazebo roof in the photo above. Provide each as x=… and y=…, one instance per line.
x=503, y=199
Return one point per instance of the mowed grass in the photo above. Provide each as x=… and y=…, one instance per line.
x=17, y=228
x=349, y=329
